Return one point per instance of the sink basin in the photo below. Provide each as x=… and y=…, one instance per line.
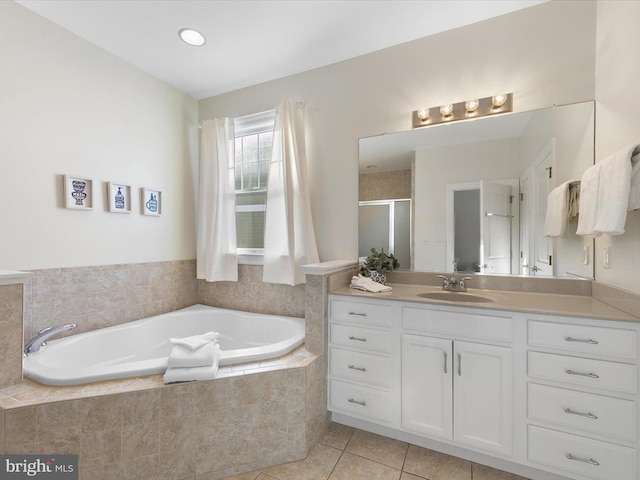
x=455, y=297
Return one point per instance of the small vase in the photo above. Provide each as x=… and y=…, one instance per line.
x=377, y=277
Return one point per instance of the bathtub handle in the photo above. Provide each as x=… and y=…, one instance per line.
x=358, y=314
x=361, y=369
x=359, y=339
x=359, y=402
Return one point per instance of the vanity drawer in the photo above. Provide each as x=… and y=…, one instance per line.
x=363, y=367
x=584, y=456
x=367, y=313
x=360, y=401
x=458, y=324
x=360, y=337
x=591, y=413
x=620, y=377
x=615, y=342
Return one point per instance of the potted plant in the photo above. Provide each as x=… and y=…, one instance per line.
x=377, y=264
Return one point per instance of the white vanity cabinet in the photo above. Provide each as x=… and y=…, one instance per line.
x=452, y=388
x=582, y=395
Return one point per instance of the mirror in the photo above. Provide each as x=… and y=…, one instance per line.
x=471, y=196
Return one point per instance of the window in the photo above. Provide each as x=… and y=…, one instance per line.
x=253, y=143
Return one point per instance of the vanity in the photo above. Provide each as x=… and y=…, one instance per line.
x=541, y=385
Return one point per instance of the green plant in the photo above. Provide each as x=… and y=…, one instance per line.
x=379, y=262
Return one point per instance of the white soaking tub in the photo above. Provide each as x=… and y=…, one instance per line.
x=142, y=347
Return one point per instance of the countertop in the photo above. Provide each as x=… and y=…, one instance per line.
x=542, y=303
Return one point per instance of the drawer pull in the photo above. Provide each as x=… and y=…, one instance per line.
x=359, y=402
x=445, y=361
x=359, y=339
x=358, y=314
x=590, y=375
x=590, y=461
x=353, y=367
x=582, y=414
x=581, y=340
x=459, y=365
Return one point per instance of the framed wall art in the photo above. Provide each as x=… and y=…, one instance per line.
x=151, y=201
x=78, y=192
x=119, y=196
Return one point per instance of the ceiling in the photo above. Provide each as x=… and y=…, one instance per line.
x=254, y=41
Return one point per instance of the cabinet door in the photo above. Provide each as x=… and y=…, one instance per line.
x=482, y=399
x=427, y=386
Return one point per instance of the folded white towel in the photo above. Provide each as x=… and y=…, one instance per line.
x=173, y=375
x=368, y=285
x=184, y=357
x=614, y=188
x=589, y=201
x=555, y=222
x=196, y=341
x=634, y=194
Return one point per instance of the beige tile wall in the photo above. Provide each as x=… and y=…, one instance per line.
x=100, y=296
x=11, y=337
x=385, y=185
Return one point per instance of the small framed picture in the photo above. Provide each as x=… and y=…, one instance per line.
x=151, y=201
x=119, y=195
x=78, y=192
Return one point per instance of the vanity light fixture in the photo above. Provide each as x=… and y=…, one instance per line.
x=192, y=37
x=473, y=108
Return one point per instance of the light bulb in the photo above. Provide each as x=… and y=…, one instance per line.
x=471, y=105
x=423, y=114
x=498, y=100
x=446, y=110
x=192, y=37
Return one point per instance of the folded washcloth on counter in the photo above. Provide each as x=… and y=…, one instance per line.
x=173, y=375
x=185, y=358
x=196, y=341
x=368, y=285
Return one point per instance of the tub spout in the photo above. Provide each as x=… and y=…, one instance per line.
x=39, y=340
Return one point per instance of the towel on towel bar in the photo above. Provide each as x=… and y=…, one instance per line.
x=195, y=341
x=184, y=357
x=557, y=216
x=607, y=193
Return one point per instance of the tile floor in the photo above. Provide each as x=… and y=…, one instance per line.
x=345, y=453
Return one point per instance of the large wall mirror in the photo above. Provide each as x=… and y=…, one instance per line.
x=471, y=196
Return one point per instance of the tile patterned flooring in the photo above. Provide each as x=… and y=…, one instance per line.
x=345, y=453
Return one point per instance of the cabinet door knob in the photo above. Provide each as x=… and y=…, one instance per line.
x=582, y=414
x=590, y=461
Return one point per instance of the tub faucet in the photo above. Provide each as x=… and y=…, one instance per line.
x=37, y=342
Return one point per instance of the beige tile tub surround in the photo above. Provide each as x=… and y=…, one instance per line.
x=11, y=310
x=100, y=296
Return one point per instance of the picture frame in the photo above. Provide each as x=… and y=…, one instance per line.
x=78, y=192
x=151, y=201
x=119, y=197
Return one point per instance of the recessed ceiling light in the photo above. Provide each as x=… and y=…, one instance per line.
x=192, y=37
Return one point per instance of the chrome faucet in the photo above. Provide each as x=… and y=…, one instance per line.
x=37, y=342
x=452, y=284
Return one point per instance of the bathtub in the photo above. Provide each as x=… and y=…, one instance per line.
x=142, y=347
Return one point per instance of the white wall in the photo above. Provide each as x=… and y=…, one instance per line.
x=618, y=125
x=69, y=107
x=544, y=55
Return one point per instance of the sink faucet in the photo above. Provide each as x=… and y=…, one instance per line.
x=452, y=284
x=37, y=342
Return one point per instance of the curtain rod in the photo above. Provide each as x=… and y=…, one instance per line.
x=300, y=104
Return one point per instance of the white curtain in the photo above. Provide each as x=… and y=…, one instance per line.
x=289, y=239
x=217, y=259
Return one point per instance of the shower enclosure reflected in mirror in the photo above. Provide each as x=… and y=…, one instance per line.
x=502, y=168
